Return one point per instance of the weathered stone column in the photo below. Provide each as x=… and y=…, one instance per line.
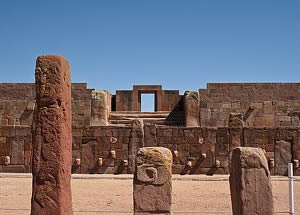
x=52, y=138
x=191, y=109
x=136, y=142
x=100, y=107
x=152, y=183
x=250, y=182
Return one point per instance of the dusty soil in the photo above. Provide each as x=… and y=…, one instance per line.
x=114, y=196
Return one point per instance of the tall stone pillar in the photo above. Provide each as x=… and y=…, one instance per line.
x=250, y=182
x=152, y=183
x=52, y=138
x=136, y=142
x=100, y=107
x=191, y=109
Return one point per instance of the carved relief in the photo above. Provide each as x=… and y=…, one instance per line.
x=152, y=181
x=52, y=146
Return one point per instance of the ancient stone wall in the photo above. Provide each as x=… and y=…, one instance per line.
x=102, y=149
x=17, y=103
x=207, y=149
x=262, y=105
x=260, y=115
x=15, y=142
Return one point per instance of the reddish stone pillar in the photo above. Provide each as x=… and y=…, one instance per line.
x=52, y=138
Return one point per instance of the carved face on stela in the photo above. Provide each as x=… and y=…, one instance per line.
x=45, y=89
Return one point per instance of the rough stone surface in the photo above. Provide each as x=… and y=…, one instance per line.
x=250, y=182
x=283, y=156
x=152, y=183
x=100, y=107
x=191, y=107
x=136, y=142
x=52, y=138
x=230, y=115
x=236, y=120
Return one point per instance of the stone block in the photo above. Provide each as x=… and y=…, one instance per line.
x=4, y=146
x=89, y=156
x=17, y=151
x=13, y=169
x=152, y=184
x=23, y=131
x=250, y=182
x=4, y=131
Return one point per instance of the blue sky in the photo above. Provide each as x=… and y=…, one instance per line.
x=179, y=44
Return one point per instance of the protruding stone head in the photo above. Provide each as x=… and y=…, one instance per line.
x=113, y=154
x=125, y=162
x=217, y=164
x=189, y=164
x=296, y=164
x=203, y=156
x=100, y=162
x=7, y=160
x=175, y=153
x=271, y=163
x=77, y=162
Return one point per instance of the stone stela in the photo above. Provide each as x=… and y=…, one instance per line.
x=250, y=182
x=152, y=183
x=52, y=138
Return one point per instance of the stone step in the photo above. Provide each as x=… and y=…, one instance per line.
x=121, y=116
x=147, y=121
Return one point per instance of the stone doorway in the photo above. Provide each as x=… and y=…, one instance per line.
x=147, y=102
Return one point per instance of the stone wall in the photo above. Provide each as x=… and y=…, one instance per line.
x=202, y=146
x=110, y=144
x=17, y=103
x=207, y=149
x=15, y=142
x=262, y=105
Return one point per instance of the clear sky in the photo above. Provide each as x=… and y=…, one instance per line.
x=180, y=44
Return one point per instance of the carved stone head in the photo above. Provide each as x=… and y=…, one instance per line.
x=7, y=160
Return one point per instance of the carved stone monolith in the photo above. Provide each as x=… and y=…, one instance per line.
x=250, y=182
x=191, y=109
x=52, y=138
x=152, y=183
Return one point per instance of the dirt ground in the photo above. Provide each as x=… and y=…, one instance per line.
x=114, y=196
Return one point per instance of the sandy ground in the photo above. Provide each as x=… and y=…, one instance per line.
x=114, y=196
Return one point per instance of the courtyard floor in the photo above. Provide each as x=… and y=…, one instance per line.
x=112, y=194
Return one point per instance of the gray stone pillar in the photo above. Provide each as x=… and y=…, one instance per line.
x=100, y=107
x=52, y=138
x=152, y=183
x=191, y=109
x=250, y=182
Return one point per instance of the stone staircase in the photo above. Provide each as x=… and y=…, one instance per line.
x=158, y=118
